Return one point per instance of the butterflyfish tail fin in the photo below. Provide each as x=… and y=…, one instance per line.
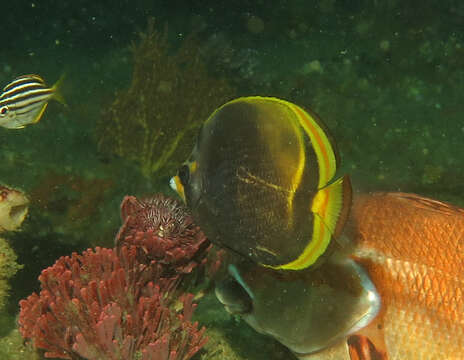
x=57, y=95
x=333, y=203
x=345, y=207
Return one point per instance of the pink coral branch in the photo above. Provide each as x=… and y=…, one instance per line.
x=115, y=304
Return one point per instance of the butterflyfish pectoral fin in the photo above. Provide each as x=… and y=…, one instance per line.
x=330, y=206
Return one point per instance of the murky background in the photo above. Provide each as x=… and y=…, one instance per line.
x=386, y=77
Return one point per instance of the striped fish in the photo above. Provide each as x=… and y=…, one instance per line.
x=261, y=181
x=24, y=100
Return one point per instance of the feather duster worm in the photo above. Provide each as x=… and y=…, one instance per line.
x=162, y=228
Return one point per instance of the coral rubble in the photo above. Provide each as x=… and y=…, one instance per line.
x=155, y=121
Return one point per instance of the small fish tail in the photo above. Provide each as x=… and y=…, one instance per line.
x=57, y=95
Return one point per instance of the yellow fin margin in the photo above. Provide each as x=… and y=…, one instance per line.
x=321, y=144
x=40, y=114
x=330, y=208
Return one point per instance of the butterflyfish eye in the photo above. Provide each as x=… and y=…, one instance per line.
x=4, y=110
x=184, y=174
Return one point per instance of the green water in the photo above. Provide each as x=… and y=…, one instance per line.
x=386, y=77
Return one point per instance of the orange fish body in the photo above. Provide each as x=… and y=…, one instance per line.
x=413, y=250
x=392, y=290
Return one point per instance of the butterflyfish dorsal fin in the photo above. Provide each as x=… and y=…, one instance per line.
x=322, y=144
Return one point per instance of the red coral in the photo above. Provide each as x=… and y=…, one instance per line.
x=164, y=230
x=99, y=305
x=115, y=304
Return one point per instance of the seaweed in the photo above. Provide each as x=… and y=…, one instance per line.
x=154, y=123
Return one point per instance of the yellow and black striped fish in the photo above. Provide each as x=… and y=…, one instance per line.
x=260, y=181
x=25, y=99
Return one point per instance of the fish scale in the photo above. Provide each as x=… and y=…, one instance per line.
x=412, y=249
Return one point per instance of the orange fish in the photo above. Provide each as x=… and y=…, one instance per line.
x=392, y=290
x=413, y=250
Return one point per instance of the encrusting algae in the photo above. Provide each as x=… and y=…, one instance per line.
x=8, y=268
x=13, y=210
x=155, y=121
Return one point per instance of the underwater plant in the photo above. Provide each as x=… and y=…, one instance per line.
x=125, y=302
x=155, y=121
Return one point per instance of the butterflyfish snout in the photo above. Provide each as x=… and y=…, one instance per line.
x=261, y=182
